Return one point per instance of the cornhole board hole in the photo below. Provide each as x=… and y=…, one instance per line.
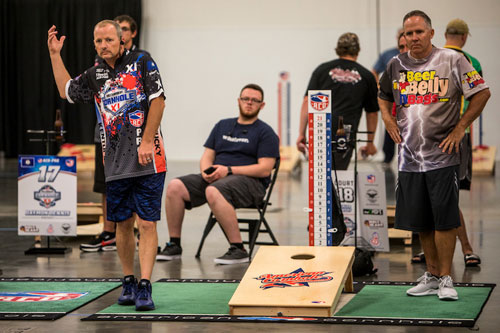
x=294, y=281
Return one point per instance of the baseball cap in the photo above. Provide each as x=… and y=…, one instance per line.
x=457, y=27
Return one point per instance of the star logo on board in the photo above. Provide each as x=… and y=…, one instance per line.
x=297, y=278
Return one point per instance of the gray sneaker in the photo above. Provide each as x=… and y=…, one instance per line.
x=428, y=284
x=446, y=291
x=234, y=255
x=170, y=252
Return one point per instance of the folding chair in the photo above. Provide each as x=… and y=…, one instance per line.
x=254, y=225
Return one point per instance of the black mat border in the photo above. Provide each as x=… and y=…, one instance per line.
x=358, y=285
x=50, y=315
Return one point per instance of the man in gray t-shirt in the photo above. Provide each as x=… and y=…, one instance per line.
x=427, y=84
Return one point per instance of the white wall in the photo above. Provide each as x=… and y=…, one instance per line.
x=208, y=49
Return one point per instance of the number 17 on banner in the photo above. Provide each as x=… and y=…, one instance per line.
x=320, y=160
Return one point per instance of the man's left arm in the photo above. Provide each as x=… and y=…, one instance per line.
x=476, y=106
x=145, y=152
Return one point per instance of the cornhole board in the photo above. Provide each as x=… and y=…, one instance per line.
x=483, y=160
x=397, y=233
x=289, y=159
x=277, y=285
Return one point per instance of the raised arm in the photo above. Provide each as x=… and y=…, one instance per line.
x=61, y=74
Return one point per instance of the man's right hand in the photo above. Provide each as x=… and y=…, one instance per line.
x=55, y=45
x=301, y=143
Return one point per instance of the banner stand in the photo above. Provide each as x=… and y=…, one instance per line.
x=47, y=137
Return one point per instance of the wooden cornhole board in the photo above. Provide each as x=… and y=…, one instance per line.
x=289, y=159
x=301, y=297
x=483, y=160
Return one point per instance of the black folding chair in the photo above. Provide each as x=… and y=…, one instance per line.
x=254, y=226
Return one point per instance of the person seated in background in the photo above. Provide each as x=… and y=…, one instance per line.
x=239, y=156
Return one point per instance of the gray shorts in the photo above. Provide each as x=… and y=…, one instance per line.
x=240, y=191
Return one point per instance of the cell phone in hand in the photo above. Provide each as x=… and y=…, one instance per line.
x=209, y=170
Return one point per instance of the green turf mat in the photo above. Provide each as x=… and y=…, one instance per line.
x=48, y=298
x=185, y=298
x=378, y=303
x=392, y=302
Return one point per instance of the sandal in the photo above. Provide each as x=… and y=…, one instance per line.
x=418, y=258
x=472, y=260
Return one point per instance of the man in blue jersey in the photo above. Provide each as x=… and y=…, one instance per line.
x=239, y=155
x=128, y=94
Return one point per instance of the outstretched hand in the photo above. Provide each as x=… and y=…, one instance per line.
x=55, y=45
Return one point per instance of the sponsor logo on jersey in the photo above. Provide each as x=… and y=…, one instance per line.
x=136, y=118
x=297, y=278
x=345, y=75
x=47, y=196
x=421, y=88
x=473, y=79
x=116, y=99
x=319, y=101
x=39, y=296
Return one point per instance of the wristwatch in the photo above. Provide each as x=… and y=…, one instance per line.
x=229, y=170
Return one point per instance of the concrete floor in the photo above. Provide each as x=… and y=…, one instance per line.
x=288, y=220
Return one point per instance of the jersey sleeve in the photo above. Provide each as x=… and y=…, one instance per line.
x=471, y=81
x=78, y=89
x=153, y=85
x=210, y=143
x=269, y=145
x=385, y=86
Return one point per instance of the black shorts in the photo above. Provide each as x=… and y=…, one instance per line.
x=465, y=173
x=240, y=191
x=427, y=201
x=99, y=178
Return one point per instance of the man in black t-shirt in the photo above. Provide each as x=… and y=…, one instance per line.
x=239, y=155
x=353, y=89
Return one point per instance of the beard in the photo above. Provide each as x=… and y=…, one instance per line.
x=248, y=115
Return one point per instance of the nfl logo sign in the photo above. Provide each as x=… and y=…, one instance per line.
x=370, y=179
x=319, y=101
x=136, y=118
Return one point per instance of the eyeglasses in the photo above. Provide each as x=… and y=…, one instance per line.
x=248, y=99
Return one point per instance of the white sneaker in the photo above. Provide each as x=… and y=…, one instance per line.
x=428, y=284
x=446, y=291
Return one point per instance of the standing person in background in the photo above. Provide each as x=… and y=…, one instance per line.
x=379, y=67
x=353, y=88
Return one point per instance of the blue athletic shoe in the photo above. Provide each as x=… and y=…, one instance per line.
x=129, y=291
x=144, y=300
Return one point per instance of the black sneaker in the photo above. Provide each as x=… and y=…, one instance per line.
x=170, y=252
x=234, y=255
x=129, y=291
x=144, y=299
x=106, y=241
